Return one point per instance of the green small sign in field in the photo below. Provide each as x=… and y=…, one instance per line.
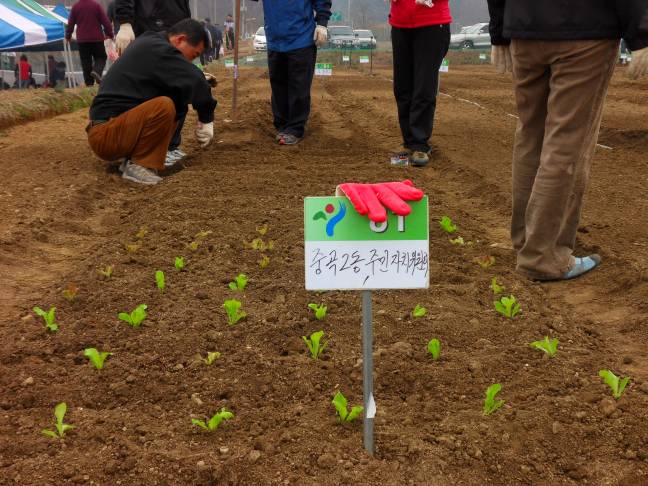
x=344, y=250
x=323, y=69
x=364, y=59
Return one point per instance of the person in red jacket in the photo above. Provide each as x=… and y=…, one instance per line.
x=420, y=40
x=93, y=27
x=23, y=73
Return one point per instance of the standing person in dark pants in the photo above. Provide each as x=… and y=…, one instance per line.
x=93, y=27
x=216, y=38
x=294, y=30
x=420, y=40
x=229, y=32
x=138, y=16
x=562, y=55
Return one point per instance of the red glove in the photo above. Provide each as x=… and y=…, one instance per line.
x=367, y=198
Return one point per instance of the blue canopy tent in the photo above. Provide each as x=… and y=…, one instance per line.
x=61, y=11
x=26, y=26
x=21, y=27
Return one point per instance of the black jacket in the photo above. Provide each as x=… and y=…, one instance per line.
x=157, y=15
x=149, y=68
x=569, y=20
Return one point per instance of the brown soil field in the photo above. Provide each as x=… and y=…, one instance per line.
x=64, y=216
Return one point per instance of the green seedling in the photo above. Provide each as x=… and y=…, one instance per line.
x=549, y=346
x=495, y=287
x=232, y=307
x=179, y=263
x=419, y=311
x=264, y=262
x=263, y=229
x=239, y=283
x=106, y=272
x=48, y=317
x=141, y=233
x=612, y=380
x=340, y=404
x=132, y=247
x=260, y=245
x=490, y=404
x=313, y=344
x=507, y=306
x=61, y=428
x=458, y=241
x=447, y=225
x=136, y=317
x=96, y=357
x=213, y=423
x=203, y=234
x=434, y=348
x=194, y=245
x=485, y=261
x=211, y=357
x=71, y=292
x=320, y=311
x=159, y=280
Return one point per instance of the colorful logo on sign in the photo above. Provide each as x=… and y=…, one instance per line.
x=335, y=218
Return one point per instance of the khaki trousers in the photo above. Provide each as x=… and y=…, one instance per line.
x=560, y=87
x=142, y=133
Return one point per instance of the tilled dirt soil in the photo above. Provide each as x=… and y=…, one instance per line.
x=65, y=216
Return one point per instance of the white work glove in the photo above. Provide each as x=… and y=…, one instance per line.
x=320, y=36
x=427, y=3
x=204, y=133
x=501, y=59
x=124, y=37
x=638, y=64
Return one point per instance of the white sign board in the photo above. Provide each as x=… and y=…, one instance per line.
x=345, y=251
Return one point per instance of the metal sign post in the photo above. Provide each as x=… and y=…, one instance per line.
x=346, y=251
x=367, y=372
x=237, y=38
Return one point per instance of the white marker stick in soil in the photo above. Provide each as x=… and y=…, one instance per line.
x=367, y=372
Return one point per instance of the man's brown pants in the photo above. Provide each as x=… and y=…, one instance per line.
x=142, y=133
x=560, y=87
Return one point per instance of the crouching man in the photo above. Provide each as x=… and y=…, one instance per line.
x=144, y=94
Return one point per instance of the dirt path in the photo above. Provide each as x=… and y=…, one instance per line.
x=66, y=217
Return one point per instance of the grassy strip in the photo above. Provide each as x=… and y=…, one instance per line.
x=37, y=104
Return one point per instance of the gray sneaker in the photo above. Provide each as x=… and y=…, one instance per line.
x=419, y=159
x=289, y=139
x=141, y=175
x=123, y=165
x=173, y=157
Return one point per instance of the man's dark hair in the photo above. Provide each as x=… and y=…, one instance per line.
x=194, y=31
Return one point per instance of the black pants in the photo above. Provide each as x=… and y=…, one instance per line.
x=176, y=139
x=93, y=58
x=418, y=54
x=291, y=77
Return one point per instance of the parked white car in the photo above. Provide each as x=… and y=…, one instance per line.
x=341, y=37
x=259, y=41
x=471, y=36
x=364, y=39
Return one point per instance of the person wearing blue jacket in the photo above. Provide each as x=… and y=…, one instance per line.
x=294, y=29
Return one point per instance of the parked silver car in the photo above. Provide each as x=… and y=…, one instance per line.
x=259, y=41
x=471, y=36
x=341, y=37
x=364, y=39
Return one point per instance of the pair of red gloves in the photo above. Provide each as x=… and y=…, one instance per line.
x=372, y=199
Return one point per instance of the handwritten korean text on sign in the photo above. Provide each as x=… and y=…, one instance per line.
x=344, y=250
